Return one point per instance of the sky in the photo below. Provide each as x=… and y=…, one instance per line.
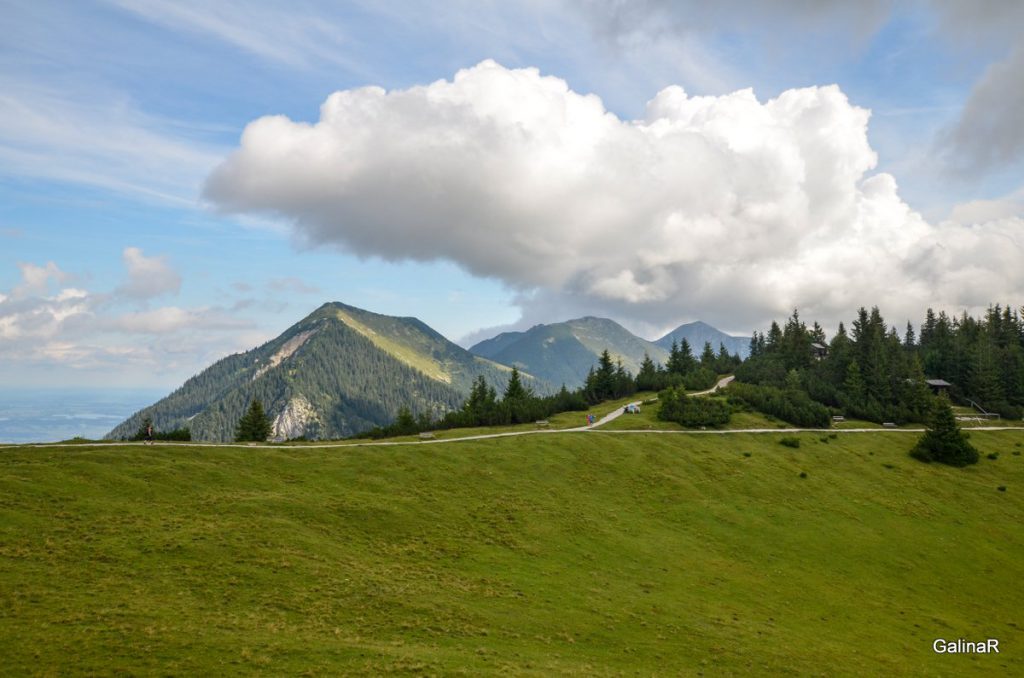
x=181, y=180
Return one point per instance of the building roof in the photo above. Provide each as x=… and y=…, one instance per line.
x=820, y=347
x=937, y=382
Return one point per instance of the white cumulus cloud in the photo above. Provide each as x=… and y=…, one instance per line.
x=35, y=280
x=726, y=208
x=148, y=276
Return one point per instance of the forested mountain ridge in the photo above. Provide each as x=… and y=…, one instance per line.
x=339, y=371
x=563, y=353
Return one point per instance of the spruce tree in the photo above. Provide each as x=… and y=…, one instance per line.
x=605, y=376
x=707, y=356
x=944, y=442
x=647, y=377
x=675, y=364
x=514, y=389
x=254, y=425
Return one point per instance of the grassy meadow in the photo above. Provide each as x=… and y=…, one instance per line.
x=569, y=554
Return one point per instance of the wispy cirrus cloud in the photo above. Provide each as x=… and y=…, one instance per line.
x=297, y=34
x=98, y=139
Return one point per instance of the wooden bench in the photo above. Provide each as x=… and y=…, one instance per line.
x=542, y=423
x=838, y=418
x=427, y=436
x=888, y=424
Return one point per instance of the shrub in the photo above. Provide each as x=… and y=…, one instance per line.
x=746, y=454
x=700, y=379
x=790, y=441
x=993, y=455
x=792, y=406
x=1002, y=488
x=692, y=411
x=803, y=474
x=178, y=434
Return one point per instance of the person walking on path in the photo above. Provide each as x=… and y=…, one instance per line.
x=149, y=434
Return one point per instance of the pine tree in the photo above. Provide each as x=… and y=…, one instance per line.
x=405, y=423
x=676, y=362
x=514, y=390
x=647, y=377
x=853, y=385
x=686, y=360
x=818, y=333
x=605, y=376
x=707, y=356
x=774, y=337
x=254, y=425
x=908, y=338
x=944, y=442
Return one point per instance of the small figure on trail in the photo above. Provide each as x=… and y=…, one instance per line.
x=149, y=434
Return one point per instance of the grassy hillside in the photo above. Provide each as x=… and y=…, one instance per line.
x=575, y=553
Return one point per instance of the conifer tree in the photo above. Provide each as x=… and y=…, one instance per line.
x=676, y=364
x=647, y=377
x=254, y=425
x=605, y=375
x=686, y=360
x=944, y=442
x=514, y=389
x=707, y=356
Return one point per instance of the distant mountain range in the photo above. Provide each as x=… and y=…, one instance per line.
x=339, y=371
x=563, y=353
x=342, y=370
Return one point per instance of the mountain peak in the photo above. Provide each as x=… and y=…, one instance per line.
x=698, y=332
x=338, y=371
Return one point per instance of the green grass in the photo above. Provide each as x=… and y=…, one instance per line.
x=573, y=554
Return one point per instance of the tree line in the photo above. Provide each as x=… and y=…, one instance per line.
x=873, y=372
x=682, y=370
x=608, y=380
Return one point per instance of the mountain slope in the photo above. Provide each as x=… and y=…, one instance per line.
x=699, y=332
x=563, y=353
x=339, y=371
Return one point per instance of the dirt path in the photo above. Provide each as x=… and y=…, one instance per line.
x=508, y=434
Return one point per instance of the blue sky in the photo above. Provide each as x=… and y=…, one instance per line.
x=122, y=262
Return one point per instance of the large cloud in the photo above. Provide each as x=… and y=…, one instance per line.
x=724, y=208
